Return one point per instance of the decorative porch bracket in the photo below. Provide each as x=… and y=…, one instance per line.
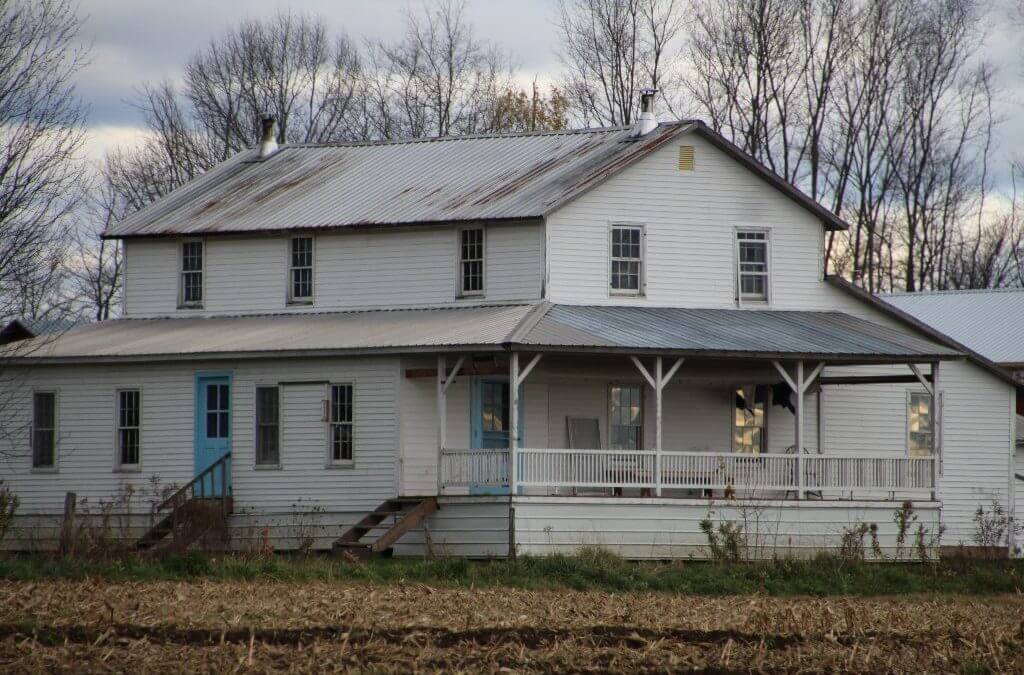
x=799, y=387
x=442, y=408
x=657, y=382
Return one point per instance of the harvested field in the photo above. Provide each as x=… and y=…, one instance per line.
x=329, y=626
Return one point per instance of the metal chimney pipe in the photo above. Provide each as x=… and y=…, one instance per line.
x=268, y=144
x=646, y=122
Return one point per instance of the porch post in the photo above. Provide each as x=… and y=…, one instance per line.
x=937, y=432
x=513, y=423
x=442, y=419
x=799, y=433
x=657, y=428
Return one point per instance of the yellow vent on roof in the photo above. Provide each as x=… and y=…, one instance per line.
x=686, y=158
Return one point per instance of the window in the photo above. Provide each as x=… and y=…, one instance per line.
x=192, y=274
x=471, y=262
x=267, y=426
x=342, y=441
x=627, y=259
x=218, y=407
x=748, y=435
x=129, y=440
x=920, y=425
x=626, y=418
x=752, y=266
x=44, y=429
x=494, y=406
x=300, y=270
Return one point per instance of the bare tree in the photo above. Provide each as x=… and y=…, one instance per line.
x=40, y=134
x=611, y=49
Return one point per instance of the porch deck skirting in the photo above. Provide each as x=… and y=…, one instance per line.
x=552, y=471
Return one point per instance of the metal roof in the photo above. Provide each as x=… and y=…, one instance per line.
x=706, y=332
x=729, y=332
x=269, y=335
x=991, y=322
x=438, y=180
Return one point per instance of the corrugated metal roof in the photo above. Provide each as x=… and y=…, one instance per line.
x=991, y=322
x=388, y=330
x=511, y=176
x=754, y=333
x=704, y=332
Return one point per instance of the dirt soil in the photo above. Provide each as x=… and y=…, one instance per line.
x=326, y=627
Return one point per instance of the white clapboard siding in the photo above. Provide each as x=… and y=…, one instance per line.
x=304, y=482
x=690, y=219
x=353, y=270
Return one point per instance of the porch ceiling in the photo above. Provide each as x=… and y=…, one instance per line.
x=830, y=336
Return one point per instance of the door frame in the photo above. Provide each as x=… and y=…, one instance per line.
x=476, y=409
x=198, y=423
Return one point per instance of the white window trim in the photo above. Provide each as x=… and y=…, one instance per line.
x=769, y=286
x=341, y=463
x=641, y=291
x=459, y=291
x=642, y=386
x=765, y=438
x=118, y=466
x=55, y=467
x=181, y=275
x=290, y=298
x=256, y=426
x=906, y=412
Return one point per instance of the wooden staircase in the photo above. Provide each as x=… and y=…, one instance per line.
x=405, y=519
x=192, y=512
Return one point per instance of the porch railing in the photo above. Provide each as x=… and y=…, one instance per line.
x=562, y=468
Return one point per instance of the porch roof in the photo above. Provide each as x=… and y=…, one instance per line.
x=747, y=333
x=735, y=333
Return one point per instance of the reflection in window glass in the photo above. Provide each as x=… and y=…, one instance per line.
x=920, y=426
x=749, y=419
x=626, y=418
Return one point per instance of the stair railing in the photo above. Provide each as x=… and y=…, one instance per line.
x=203, y=486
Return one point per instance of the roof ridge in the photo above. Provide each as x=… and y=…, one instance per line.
x=464, y=137
x=321, y=312
x=951, y=291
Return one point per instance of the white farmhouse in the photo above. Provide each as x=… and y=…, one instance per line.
x=501, y=344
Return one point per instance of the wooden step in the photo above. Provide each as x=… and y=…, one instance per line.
x=408, y=521
x=350, y=540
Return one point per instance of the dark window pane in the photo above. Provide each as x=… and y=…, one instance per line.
x=211, y=397
x=211, y=425
x=223, y=432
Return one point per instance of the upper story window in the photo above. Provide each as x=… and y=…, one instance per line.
x=129, y=427
x=191, y=284
x=300, y=270
x=920, y=425
x=44, y=430
x=752, y=265
x=627, y=251
x=471, y=262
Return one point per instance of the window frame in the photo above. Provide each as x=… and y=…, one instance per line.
x=119, y=465
x=54, y=466
x=257, y=465
x=911, y=393
x=329, y=418
x=460, y=289
x=765, y=441
x=191, y=304
x=642, y=390
x=641, y=290
x=291, y=298
x=738, y=273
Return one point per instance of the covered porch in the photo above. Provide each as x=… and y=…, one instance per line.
x=645, y=420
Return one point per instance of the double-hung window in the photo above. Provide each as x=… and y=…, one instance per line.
x=626, y=418
x=44, y=430
x=752, y=265
x=749, y=417
x=191, y=280
x=471, y=262
x=627, y=251
x=300, y=270
x=129, y=428
x=341, y=427
x=268, y=426
x=920, y=425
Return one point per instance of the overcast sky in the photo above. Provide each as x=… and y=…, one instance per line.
x=134, y=41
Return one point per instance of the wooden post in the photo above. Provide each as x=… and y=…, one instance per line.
x=513, y=423
x=937, y=431
x=800, y=429
x=67, y=528
x=442, y=421
x=657, y=426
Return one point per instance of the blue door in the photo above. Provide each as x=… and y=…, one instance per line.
x=212, y=430
x=489, y=421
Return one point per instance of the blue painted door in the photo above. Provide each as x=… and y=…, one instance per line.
x=489, y=421
x=213, y=430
